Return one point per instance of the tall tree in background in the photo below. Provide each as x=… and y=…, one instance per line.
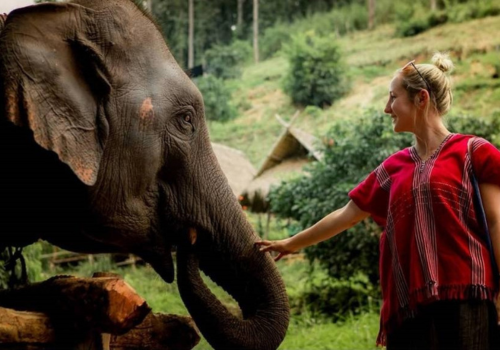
x=239, y=22
x=191, y=35
x=433, y=5
x=371, y=14
x=256, y=30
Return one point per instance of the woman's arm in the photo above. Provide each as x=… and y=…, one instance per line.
x=490, y=194
x=329, y=226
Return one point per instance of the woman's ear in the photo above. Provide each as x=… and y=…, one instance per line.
x=53, y=80
x=423, y=98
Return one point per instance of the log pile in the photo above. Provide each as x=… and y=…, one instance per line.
x=102, y=312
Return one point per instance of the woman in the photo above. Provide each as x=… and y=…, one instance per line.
x=438, y=277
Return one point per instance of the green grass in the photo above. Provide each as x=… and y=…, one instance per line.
x=354, y=333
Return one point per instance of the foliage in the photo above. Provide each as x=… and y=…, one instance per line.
x=225, y=61
x=337, y=298
x=316, y=75
x=341, y=19
x=413, y=19
x=472, y=10
x=217, y=98
x=274, y=38
x=12, y=278
x=215, y=21
x=488, y=128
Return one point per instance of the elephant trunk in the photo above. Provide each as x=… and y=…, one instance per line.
x=251, y=278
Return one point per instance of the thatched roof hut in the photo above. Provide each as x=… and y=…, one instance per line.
x=236, y=166
x=293, y=149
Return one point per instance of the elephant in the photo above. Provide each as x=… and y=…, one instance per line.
x=104, y=148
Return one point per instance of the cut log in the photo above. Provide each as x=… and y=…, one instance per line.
x=17, y=327
x=35, y=331
x=104, y=304
x=159, y=332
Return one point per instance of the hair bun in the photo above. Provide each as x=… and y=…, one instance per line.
x=443, y=62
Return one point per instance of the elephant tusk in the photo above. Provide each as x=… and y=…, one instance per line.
x=193, y=235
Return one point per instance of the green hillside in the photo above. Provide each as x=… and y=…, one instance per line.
x=372, y=57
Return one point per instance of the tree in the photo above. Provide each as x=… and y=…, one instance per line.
x=433, y=5
x=239, y=22
x=256, y=30
x=191, y=35
x=317, y=74
x=371, y=14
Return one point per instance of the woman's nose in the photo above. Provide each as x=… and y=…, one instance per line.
x=388, y=109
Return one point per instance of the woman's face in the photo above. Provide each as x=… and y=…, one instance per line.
x=402, y=110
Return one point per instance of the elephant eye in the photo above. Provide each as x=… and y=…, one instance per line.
x=187, y=118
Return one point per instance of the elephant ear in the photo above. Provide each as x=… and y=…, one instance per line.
x=54, y=81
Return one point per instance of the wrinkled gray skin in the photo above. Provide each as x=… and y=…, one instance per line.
x=104, y=148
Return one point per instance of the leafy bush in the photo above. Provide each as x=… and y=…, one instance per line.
x=225, y=61
x=411, y=20
x=317, y=74
x=346, y=19
x=273, y=39
x=338, y=298
x=340, y=20
x=488, y=128
x=217, y=98
x=415, y=18
x=474, y=9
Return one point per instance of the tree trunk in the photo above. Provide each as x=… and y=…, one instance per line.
x=371, y=14
x=256, y=30
x=239, y=23
x=433, y=5
x=191, y=35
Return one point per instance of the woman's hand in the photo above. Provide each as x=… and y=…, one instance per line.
x=282, y=247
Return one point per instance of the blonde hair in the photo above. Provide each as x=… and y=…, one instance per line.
x=434, y=77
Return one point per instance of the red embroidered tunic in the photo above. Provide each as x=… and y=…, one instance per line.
x=432, y=247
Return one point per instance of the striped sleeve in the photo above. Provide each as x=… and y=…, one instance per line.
x=372, y=195
x=486, y=161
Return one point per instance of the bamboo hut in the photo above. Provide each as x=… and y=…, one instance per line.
x=293, y=149
x=236, y=166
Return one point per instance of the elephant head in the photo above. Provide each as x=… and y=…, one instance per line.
x=105, y=148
